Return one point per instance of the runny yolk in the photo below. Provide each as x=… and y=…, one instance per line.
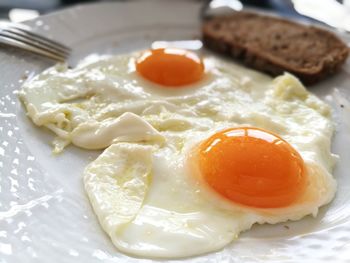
x=170, y=67
x=253, y=167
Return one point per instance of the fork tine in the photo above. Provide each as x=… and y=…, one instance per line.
x=53, y=51
x=39, y=38
x=23, y=36
x=20, y=44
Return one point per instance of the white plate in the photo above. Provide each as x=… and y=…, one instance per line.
x=44, y=213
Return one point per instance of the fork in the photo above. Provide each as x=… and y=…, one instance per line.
x=23, y=37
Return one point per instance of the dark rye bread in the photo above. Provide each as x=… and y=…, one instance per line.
x=275, y=45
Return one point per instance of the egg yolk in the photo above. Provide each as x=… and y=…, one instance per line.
x=253, y=167
x=170, y=66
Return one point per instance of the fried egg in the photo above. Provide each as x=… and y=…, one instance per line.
x=199, y=149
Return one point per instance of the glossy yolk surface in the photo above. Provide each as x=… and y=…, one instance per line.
x=170, y=67
x=252, y=167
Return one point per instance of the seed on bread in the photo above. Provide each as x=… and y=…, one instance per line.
x=275, y=45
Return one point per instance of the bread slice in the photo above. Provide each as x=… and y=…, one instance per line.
x=274, y=45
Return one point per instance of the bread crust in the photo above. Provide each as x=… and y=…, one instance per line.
x=275, y=45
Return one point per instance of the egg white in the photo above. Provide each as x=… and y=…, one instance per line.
x=143, y=188
x=171, y=214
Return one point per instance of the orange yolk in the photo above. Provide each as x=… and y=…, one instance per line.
x=170, y=67
x=252, y=167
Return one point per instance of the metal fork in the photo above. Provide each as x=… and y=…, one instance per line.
x=23, y=37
